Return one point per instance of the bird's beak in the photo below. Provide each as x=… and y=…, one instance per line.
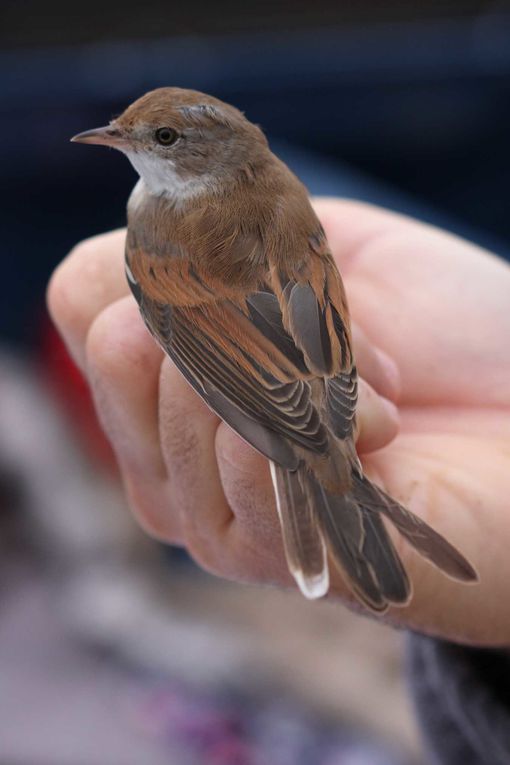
x=103, y=136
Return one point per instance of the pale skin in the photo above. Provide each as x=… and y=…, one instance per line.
x=432, y=331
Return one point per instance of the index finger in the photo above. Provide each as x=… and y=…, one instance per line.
x=88, y=280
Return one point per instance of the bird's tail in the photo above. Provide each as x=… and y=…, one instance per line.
x=351, y=529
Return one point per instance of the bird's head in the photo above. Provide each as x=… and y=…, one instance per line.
x=182, y=140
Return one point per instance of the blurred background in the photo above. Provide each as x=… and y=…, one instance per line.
x=113, y=649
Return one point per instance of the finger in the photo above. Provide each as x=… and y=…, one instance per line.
x=350, y=225
x=123, y=365
x=254, y=535
x=204, y=457
x=440, y=481
x=90, y=278
x=375, y=366
x=377, y=419
x=187, y=433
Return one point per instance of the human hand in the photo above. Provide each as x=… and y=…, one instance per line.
x=438, y=306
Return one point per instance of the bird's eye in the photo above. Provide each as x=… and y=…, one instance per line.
x=166, y=136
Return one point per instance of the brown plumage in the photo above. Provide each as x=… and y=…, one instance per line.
x=234, y=278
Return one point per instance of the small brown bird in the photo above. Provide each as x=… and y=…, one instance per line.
x=235, y=280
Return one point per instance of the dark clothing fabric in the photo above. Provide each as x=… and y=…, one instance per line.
x=462, y=697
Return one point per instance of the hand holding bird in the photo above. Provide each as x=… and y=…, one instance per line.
x=191, y=481
x=324, y=355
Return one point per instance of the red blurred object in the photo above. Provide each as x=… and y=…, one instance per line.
x=73, y=394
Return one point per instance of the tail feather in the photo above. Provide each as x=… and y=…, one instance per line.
x=345, y=546
x=419, y=534
x=380, y=551
x=362, y=549
x=304, y=544
x=351, y=528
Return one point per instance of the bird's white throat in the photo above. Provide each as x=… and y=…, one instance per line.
x=161, y=178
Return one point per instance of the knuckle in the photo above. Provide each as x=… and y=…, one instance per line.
x=65, y=293
x=237, y=561
x=60, y=295
x=230, y=552
x=106, y=349
x=100, y=346
x=212, y=548
x=76, y=282
x=85, y=248
x=208, y=556
x=118, y=343
x=113, y=334
x=152, y=510
x=90, y=247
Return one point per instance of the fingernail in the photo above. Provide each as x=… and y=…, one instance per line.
x=391, y=371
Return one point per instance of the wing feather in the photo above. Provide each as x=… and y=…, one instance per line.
x=341, y=400
x=308, y=327
x=267, y=349
x=254, y=402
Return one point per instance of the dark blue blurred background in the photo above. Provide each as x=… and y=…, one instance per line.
x=404, y=104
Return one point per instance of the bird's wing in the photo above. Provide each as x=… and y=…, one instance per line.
x=314, y=310
x=256, y=381
x=316, y=316
x=238, y=355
